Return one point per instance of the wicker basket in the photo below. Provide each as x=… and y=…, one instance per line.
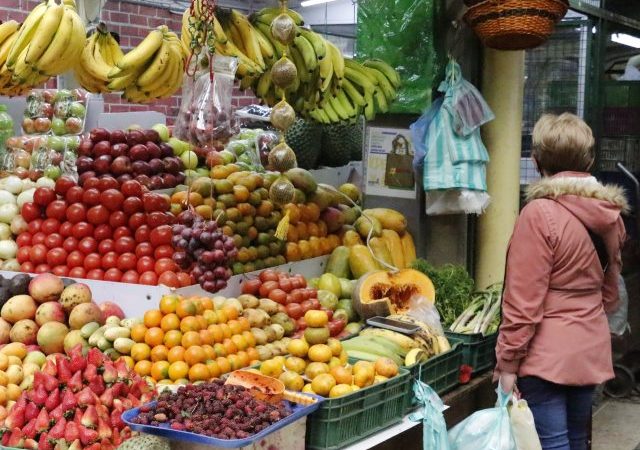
x=515, y=24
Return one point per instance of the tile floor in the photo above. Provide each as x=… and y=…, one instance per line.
x=616, y=425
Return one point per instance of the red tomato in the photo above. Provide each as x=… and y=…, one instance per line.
x=91, y=197
x=297, y=296
x=76, y=213
x=23, y=239
x=131, y=188
x=75, y=259
x=98, y=215
x=92, y=261
x=95, y=274
x=30, y=212
x=102, y=232
x=145, y=264
x=61, y=271
x=118, y=219
x=52, y=241
x=121, y=232
x=268, y=275
x=63, y=184
x=161, y=236
x=278, y=296
x=142, y=234
x=43, y=196
x=57, y=209
x=88, y=245
x=113, y=274
x=149, y=278
x=164, y=251
x=38, y=254
x=66, y=229
x=156, y=219
x=82, y=230
x=34, y=226
x=106, y=246
x=127, y=261
x=144, y=249
x=27, y=266
x=105, y=183
x=251, y=286
x=130, y=276
x=92, y=183
x=125, y=244
x=109, y=260
x=294, y=311
x=132, y=205
x=74, y=195
x=42, y=268
x=267, y=287
x=165, y=264
x=56, y=257
x=23, y=254
x=185, y=279
x=38, y=238
x=286, y=285
x=50, y=226
x=137, y=220
x=169, y=279
x=112, y=199
x=70, y=244
x=78, y=272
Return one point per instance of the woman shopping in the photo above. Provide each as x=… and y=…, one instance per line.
x=561, y=279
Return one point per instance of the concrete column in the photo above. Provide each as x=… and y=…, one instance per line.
x=503, y=88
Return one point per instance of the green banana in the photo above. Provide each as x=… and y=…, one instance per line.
x=358, y=78
x=400, y=339
x=388, y=71
x=384, y=84
x=307, y=52
x=353, y=93
x=317, y=41
x=381, y=100
x=354, y=65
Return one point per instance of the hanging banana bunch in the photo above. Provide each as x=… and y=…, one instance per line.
x=8, y=34
x=99, y=56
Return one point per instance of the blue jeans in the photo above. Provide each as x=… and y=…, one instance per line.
x=561, y=413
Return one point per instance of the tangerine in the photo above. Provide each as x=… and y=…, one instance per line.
x=219, y=349
x=138, y=332
x=178, y=369
x=202, y=322
x=226, y=331
x=210, y=316
x=214, y=369
x=244, y=323
x=198, y=304
x=172, y=338
x=140, y=351
x=191, y=338
x=159, y=353
x=128, y=361
x=243, y=358
x=230, y=346
x=231, y=312
x=176, y=354
x=160, y=370
x=168, y=303
x=189, y=323
x=223, y=364
x=209, y=351
x=186, y=308
x=222, y=316
x=235, y=326
x=253, y=354
x=154, y=336
x=250, y=338
x=239, y=341
x=152, y=318
x=206, y=337
x=198, y=372
x=143, y=368
x=194, y=355
x=207, y=304
x=216, y=331
x=170, y=322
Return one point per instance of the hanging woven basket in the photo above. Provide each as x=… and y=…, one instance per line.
x=514, y=24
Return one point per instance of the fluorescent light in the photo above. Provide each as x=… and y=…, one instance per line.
x=626, y=39
x=314, y=2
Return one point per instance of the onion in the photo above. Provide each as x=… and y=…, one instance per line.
x=25, y=197
x=5, y=231
x=45, y=182
x=6, y=197
x=7, y=212
x=8, y=249
x=12, y=184
x=28, y=184
x=18, y=225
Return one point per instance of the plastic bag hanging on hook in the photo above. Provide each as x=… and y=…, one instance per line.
x=434, y=428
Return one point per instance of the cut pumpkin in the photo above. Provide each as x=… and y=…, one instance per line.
x=381, y=293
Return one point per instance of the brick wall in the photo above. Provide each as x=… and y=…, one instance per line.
x=132, y=22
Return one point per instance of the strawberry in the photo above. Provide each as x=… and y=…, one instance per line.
x=90, y=417
x=116, y=419
x=42, y=421
x=38, y=379
x=29, y=430
x=75, y=383
x=88, y=436
x=31, y=411
x=104, y=431
x=95, y=357
x=77, y=417
x=71, y=432
x=75, y=445
x=64, y=372
x=120, y=389
x=30, y=444
x=103, y=412
x=135, y=401
x=124, y=374
x=53, y=400
x=5, y=437
x=107, y=398
x=50, y=382
x=16, y=439
x=110, y=374
x=68, y=401
x=90, y=373
x=94, y=446
x=115, y=437
x=97, y=386
x=44, y=443
x=15, y=419
x=57, y=431
x=77, y=361
x=57, y=413
x=49, y=368
x=61, y=445
x=39, y=395
x=86, y=397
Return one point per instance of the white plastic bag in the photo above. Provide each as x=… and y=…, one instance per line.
x=488, y=429
x=523, y=426
x=618, y=323
x=434, y=428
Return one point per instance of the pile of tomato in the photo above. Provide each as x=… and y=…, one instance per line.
x=104, y=230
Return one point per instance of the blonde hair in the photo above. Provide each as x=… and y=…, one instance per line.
x=563, y=143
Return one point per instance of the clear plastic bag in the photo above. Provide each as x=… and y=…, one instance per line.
x=618, y=323
x=196, y=68
x=487, y=429
x=425, y=311
x=434, y=428
x=420, y=129
x=523, y=426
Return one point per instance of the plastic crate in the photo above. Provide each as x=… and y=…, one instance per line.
x=621, y=121
x=622, y=93
x=478, y=351
x=341, y=421
x=563, y=94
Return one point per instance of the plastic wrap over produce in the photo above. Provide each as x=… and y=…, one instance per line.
x=400, y=32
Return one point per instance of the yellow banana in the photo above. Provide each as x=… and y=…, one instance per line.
x=122, y=81
x=5, y=47
x=303, y=72
x=8, y=29
x=249, y=38
x=265, y=31
x=47, y=29
x=236, y=38
x=157, y=65
x=264, y=84
x=381, y=100
x=266, y=48
x=354, y=65
x=346, y=103
x=140, y=55
x=26, y=32
x=307, y=52
x=337, y=107
x=87, y=82
x=173, y=84
x=266, y=15
x=352, y=92
x=65, y=50
x=389, y=72
x=21, y=71
x=317, y=41
x=164, y=77
x=384, y=84
x=327, y=108
x=326, y=73
x=97, y=68
x=323, y=116
x=370, y=108
x=337, y=60
x=359, y=79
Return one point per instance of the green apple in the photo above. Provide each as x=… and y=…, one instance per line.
x=162, y=130
x=134, y=126
x=58, y=126
x=56, y=143
x=190, y=159
x=178, y=146
x=227, y=157
x=77, y=109
x=203, y=171
x=330, y=282
x=190, y=175
x=52, y=172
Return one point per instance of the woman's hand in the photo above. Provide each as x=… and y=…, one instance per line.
x=508, y=382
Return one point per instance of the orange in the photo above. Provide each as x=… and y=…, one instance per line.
x=194, y=355
x=186, y=308
x=234, y=361
x=202, y=322
x=129, y=361
x=172, y=338
x=243, y=358
x=152, y=318
x=241, y=193
x=303, y=232
x=198, y=304
x=292, y=235
x=214, y=369
x=140, y=351
x=293, y=252
x=314, y=212
x=232, y=313
x=226, y=331
x=198, y=372
x=253, y=354
x=334, y=239
x=223, y=364
x=206, y=337
x=160, y=370
x=230, y=346
x=305, y=249
x=170, y=322
x=191, y=338
x=168, y=303
x=219, y=349
x=322, y=228
x=314, y=243
x=143, y=368
x=313, y=229
x=222, y=316
x=154, y=336
x=234, y=326
x=248, y=336
x=176, y=354
x=178, y=369
x=189, y=323
x=159, y=353
x=207, y=304
x=239, y=341
x=216, y=331
x=209, y=351
x=244, y=323
x=138, y=332
x=210, y=316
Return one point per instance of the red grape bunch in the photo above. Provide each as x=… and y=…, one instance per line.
x=204, y=249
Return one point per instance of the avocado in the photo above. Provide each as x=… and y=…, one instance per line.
x=19, y=284
x=5, y=295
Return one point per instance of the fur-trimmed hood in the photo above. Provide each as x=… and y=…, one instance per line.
x=598, y=206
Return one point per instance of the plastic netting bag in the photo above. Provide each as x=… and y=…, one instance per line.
x=400, y=32
x=487, y=429
x=420, y=129
x=434, y=428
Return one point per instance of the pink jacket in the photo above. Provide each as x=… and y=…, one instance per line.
x=553, y=313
